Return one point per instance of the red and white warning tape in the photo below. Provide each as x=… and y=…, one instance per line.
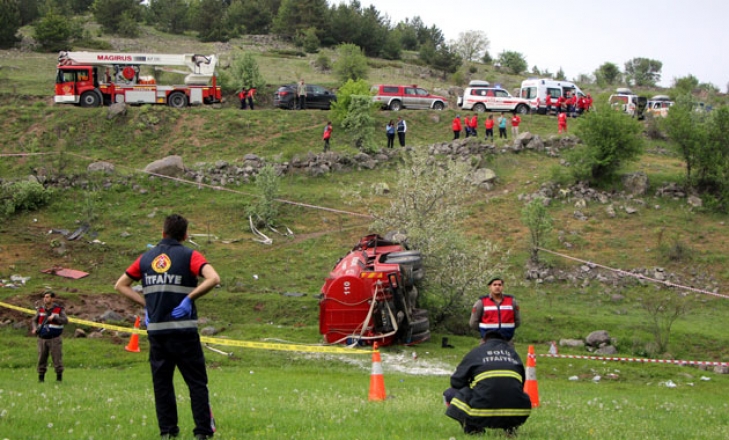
x=641, y=360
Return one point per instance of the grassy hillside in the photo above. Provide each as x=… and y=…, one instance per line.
x=262, y=394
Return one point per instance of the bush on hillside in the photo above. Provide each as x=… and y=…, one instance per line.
x=340, y=108
x=610, y=139
x=23, y=196
x=351, y=63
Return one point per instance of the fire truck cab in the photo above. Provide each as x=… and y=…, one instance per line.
x=90, y=79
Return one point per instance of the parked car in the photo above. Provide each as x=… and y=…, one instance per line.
x=659, y=105
x=629, y=103
x=413, y=97
x=481, y=98
x=316, y=97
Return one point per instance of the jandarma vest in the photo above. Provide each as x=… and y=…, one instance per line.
x=499, y=317
x=49, y=330
x=166, y=281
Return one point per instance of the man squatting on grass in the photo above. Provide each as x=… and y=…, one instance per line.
x=487, y=388
x=169, y=273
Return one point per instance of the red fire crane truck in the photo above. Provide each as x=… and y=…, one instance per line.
x=370, y=296
x=81, y=80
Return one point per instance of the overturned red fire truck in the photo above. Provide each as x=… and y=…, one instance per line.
x=371, y=296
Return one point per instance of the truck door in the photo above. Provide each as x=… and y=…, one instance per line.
x=410, y=99
x=66, y=86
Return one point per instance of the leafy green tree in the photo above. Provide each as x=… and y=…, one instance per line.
x=29, y=10
x=117, y=15
x=10, y=21
x=340, y=108
x=713, y=164
x=610, y=139
x=535, y=216
x=472, y=45
x=427, y=196
x=393, y=46
x=245, y=72
x=360, y=123
x=514, y=61
x=294, y=16
x=351, y=63
x=685, y=85
x=686, y=129
x=560, y=75
x=169, y=15
x=53, y=32
x=309, y=41
x=408, y=35
x=250, y=16
x=446, y=60
x=607, y=74
x=264, y=210
x=209, y=25
x=643, y=71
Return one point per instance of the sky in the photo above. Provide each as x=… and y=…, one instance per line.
x=688, y=37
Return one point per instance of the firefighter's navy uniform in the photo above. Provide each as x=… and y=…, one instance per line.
x=487, y=389
x=168, y=273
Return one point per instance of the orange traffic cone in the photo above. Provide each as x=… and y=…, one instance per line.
x=133, y=345
x=377, y=381
x=530, y=386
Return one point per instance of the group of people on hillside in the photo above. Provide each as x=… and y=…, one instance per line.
x=471, y=126
x=572, y=104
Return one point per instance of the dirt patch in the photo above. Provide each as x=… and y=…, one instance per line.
x=83, y=306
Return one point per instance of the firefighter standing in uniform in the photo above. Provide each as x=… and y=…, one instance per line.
x=169, y=275
x=487, y=388
x=496, y=311
x=48, y=325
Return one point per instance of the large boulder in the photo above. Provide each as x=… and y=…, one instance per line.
x=171, y=166
x=635, y=183
x=597, y=338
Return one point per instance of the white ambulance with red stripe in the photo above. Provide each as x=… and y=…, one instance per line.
x=479, y=96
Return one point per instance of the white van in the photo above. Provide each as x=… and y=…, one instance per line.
x=536, y=90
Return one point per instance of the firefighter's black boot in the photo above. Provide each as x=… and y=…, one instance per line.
x=41, y=378
x=59, y=377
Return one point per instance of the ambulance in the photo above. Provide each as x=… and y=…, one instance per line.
x=536, y=90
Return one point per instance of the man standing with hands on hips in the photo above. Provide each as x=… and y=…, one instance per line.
x=169, y=274
x=496, y=311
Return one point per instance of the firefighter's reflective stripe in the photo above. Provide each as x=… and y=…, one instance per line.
x=157, y=288
x=172, y=325
x=500, y=412
x=495, y=373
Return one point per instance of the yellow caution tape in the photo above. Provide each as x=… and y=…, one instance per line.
x=216, y=341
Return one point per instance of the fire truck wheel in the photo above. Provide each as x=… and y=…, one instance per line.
x=410, y=260
x=522, y=109
x=479, y=108
x=90, y=99
x=395, y=106
x=420, y=337
x=403, y=253
x=418, y=274
x=420, y=325
x=177, y=100
x=419, y=314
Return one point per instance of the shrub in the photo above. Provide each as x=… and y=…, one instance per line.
x=610, y=138
x=23, y=196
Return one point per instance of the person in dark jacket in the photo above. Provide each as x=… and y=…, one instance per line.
x=169, y=274
x=48, y=325
x=487, y=388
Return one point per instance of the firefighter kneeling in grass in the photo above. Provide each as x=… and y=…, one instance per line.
x=487, y=389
